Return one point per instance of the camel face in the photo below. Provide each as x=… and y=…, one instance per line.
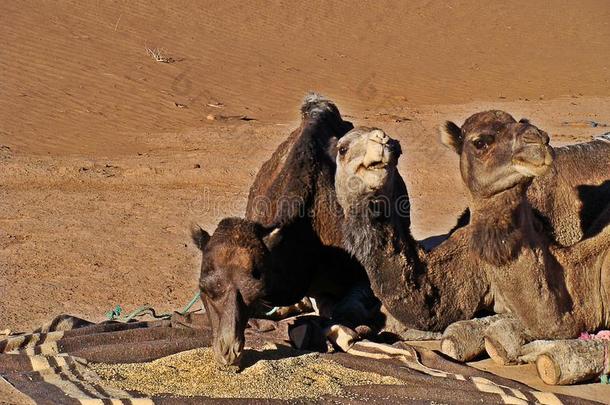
x=498, y=153
x=231, y=282
x=366, y=164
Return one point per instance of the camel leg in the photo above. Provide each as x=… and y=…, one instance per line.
x=573, y=361
x=504, y=340
x=359, y=310
x=304, y=306
x=463, y=340
x=531, y=351
x=392, y=326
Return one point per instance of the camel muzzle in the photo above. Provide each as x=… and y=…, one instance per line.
x=229, y=325
x=228, y=351
x=381, y=150
x=533, y=160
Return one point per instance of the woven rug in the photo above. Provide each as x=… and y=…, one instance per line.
x=52, y=365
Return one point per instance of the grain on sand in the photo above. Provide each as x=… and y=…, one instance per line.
x=270, y=374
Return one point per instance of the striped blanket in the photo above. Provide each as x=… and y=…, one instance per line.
x=51, y=365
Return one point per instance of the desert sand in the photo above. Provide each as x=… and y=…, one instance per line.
x=107, y=155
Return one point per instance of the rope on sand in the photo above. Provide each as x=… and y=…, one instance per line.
x=115, y=313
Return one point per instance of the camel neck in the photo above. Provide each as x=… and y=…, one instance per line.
x=376, y=227
x=387, y=250
x=506, y=202
x=502, y=225
x=533, y=284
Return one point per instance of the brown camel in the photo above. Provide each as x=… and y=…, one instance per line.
x=426, y=290
x=289, y=244
x=553, y=291
x=569, y=196
x=423, y=290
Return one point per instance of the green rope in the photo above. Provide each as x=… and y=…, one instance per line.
x=115, y=313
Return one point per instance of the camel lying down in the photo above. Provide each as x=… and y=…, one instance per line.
x=460, y=278
x=549, y=291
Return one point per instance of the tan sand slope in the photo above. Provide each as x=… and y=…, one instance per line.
x=76, y=77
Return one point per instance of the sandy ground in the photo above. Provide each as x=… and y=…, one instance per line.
x=106, y=155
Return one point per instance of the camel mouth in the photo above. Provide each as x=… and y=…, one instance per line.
x=531, y=170
x=534, y=162
x=377, y=166
x=229, y=353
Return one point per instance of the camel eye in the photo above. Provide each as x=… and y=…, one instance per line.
x=479, y=144
x=483, y=142
x=342, y=150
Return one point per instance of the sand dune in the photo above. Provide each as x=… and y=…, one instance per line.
x=76, y=77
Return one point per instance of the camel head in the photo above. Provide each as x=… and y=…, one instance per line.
x=366, y=165
x=496, y=152
x=233, y=279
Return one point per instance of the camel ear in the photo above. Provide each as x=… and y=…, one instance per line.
x=524, y=121
x=331, y=150
x=274, y=237
x=199, y=236
x=451, y=136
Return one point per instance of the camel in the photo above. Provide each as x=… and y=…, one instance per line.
x=442, y=288
x=423, y=290
x=289, y=244
x=552, y=291
x=568, y=196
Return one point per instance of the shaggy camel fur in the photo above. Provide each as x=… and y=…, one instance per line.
x=568, y=281
x=289, y=245
x=570, y=195
x=423, y=290
x=552, y=291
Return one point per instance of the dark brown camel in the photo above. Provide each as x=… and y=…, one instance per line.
x=571, y=195
x=289, y=244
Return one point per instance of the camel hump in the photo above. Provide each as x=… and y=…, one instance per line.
x=302, y=167
x=317, y=106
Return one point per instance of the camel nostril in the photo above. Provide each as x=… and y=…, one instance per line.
x=379, y=136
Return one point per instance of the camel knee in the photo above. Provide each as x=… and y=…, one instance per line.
x=504, y=340
x=464, y=340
